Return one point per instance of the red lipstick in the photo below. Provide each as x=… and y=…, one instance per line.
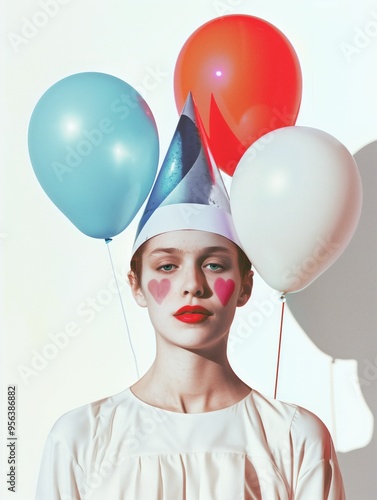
x=192, y=314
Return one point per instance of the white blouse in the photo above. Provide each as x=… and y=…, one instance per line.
x=123, y=448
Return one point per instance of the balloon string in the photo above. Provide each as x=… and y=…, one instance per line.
x=279, y=348
x=108, y=240
x=332, y=397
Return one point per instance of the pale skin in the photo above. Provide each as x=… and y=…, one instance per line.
x=191, y=372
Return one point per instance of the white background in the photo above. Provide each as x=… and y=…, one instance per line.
x=50, y=269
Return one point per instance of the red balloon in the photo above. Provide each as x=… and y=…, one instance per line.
x=245, y=79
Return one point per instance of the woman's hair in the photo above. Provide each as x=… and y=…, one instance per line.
x=244, y=263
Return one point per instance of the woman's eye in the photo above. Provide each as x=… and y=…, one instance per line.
x=214, y=267
x=166, y=267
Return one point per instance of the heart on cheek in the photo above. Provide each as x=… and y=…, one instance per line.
x=159, y=289
x=224, y=290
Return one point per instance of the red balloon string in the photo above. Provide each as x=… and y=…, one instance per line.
x=279, y=348
x=332, y=395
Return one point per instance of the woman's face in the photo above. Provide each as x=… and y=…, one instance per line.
x=191, y=285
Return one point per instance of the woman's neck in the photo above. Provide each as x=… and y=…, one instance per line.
x=190, y=382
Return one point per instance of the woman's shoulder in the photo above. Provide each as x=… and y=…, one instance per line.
x=85, y=419
x=301, y=424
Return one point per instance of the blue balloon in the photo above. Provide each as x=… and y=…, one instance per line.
x=94, y=147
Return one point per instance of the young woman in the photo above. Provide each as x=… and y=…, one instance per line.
x=190, y=428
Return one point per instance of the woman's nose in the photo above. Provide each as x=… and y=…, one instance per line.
x=194, y=283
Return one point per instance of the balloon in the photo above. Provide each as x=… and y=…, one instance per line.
x=296, y=199
x=342, y=309
x=94, y=147
x=245, y=78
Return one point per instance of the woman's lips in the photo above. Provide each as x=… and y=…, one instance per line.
x=193, y=314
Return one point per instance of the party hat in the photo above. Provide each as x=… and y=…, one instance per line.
x=189, y=192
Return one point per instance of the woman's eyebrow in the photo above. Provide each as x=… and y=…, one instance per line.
x=216, y=249
x=205, y=250
x=169, y=251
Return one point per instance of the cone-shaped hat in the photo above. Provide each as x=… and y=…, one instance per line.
x=189, y=192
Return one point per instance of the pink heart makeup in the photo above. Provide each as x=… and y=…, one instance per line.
x=224, y=290
x=159, y=289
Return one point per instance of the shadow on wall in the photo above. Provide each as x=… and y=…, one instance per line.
x=338, y=311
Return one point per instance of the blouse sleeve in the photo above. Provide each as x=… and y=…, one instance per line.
x=322, y=481
x=317, y=470
x=60, y=476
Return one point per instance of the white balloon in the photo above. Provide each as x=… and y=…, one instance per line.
x=296, y=199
